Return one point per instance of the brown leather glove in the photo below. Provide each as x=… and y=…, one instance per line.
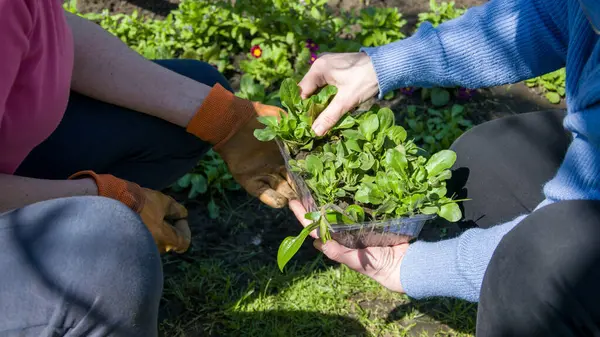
x=155, y=209
x=228, y=122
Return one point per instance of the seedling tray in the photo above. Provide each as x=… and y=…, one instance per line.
x=360, y=235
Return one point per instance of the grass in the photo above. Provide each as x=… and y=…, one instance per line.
x=228, y=284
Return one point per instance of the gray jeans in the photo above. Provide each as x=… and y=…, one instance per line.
x=87, y=266
x=82, y=266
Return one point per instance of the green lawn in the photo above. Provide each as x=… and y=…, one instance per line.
x=228, y=284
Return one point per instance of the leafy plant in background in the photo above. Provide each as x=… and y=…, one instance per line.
x=365, y=169
x=272, y=65
x=253, y=91
x=440, y=13
x=436, y=129
x=553, y=84
x=210, y=177
x=380, y=26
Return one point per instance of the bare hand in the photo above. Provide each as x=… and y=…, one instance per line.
x=353, y=75
x=382, y=264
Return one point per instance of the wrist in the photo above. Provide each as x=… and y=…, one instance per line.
x=220, y=116
x=109, y=186
x=85, y=186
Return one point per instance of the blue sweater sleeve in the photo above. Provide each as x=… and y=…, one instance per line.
x=456, y=267
x=500, y=42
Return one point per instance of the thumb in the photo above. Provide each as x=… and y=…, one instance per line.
x=175, y=210
x=338, y=253
x=331, y=115
x=313, y=80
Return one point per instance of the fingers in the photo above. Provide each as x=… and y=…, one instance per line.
x=272, y=190
x=314, y=79
x=331, y=115
x=382, y=264
x=273, y=199
x=175, y=210
x=341, y=254
x=176, y=238
x=284, y=189
x=268, y=110
x=299, y=212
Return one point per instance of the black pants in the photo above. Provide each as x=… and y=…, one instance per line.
x=544, y=277
x=98, y=136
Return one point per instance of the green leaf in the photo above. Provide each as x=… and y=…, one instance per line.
x=289, y=92
x=313, y=216
x=356, y=213
x=352, y=134
x=362, y=194
x=439, y=96
x=314, y=12
x=213, y=209
x=439, y=162
x=345, y=123
x=326, y=94
x=199, y=183
x=289, y=38
x=352, y=145
x=387, y=207
x=457, y=109
x=185, y=181
x=290, y=245
x=397, y=134
x=314, y=165
x=553, y=97
x=368, y=126
x=450, y=212
x=395, y=160
x=386, y=118
x=444, y=175
x=366, y=161
x=268, y=121
x=265, y=135
x=430, y=210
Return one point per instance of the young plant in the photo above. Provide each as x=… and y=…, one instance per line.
x=553, y=84
x=440, y=13
x=436, y=129
x=253, y=91
x=380, y=26
x=364, y=170
x=210, y=177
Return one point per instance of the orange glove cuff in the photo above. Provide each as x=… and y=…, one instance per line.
x=109, y=186
x=220, y=116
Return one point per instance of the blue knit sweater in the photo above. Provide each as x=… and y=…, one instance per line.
x=501, y=42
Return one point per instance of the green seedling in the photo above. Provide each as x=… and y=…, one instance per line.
x=364, y=170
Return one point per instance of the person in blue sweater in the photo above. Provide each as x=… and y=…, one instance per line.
x=532, y=258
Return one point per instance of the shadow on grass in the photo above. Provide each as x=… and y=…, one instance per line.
x=457, y=315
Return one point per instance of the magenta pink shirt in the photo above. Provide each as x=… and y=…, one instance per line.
x=36, y=64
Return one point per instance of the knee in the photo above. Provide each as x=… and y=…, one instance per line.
x=551, y=238
x=550, y=258
x=99, y=254
x=197, y=70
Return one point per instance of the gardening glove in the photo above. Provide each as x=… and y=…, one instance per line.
x=155, y=209
x=228, y=123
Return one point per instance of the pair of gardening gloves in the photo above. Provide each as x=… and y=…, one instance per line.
x=228, y=123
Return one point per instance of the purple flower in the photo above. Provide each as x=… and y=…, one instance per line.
x=313, y=58
x=311, y=45
x=407, y=91
x=464, y=93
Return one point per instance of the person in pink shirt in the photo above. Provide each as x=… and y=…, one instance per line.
x=90, y=133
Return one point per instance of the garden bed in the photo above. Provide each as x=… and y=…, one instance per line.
x=228, y=281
